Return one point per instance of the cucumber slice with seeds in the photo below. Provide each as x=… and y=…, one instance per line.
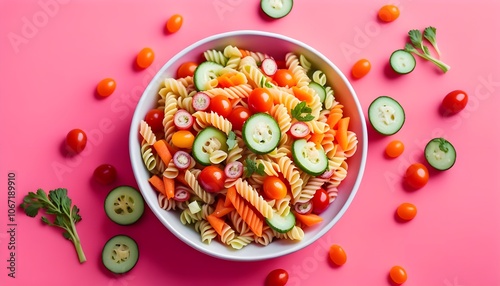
x=124, y=205
x=309, y=157
x=276, y=8
x=440, y=154
x=208, y=139
x=120, y=254
x=281, y=224
x=402, y=62
x=204, y=73
x=261, y=133
x=386, y=115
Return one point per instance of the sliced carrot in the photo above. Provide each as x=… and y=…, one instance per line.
x=169, y=185
x=244, y=53
x=245, y=210
x=302, y=95
x=341, y=135
x=317, y=138
x=227, y=201
x=231, y=79
x=221, y=210
x=216, y=223
x=333, y=119
x=161, y=147
x=181, y=178
x=157, y=184
x=308, y=219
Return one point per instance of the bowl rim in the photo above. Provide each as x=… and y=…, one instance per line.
x=153, y=85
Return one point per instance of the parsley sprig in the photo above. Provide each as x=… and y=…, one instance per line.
x=252, y=167
x=58, y=206
x=418, y=47
x=302, y=112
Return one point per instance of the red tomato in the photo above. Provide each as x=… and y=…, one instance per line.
x=106, y=87
x=222, y=105
x=454, y=102
x=320, y=201
x=238, y=116
x=260, y=100
x=76, y=140
x=417, y=175
x=277, y=277
x=154, y=118
x=284, y=77
x=337, y=254
x=105, y=174
x=211, y=179
x=388, y=13
x=145, y=58
x=394, y=148
x=186, y=69
x=398, y=274
x=274, y=188
x=407, y=211
x=361, y=68
x=174, y=23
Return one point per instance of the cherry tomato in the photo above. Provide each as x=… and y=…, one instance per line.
x=337, y=255
x=238, y=116
x=388, y=13
x=154, y=118
x=274, y=188
x=174, y=23
x=394, y=148
x=320, y=201
x=212, y=179
x=260, y=100
x=398, y=274
x=183, y=139
x=417, y=175
x=106, y=87
x=454, y=102
x=186, y=69
x=284, y=77
x=407, y=211
x=105, y=174
x=76, y=140
x=221, y=104
x=361, y=68
x=277, y=277
x=145, y=58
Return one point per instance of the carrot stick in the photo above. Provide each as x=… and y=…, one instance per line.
x=317, y=138
x=161, y=147
x=216, y=223
x=341, y=135
x=157, y=184
x=302, y=95
x=308, y=219
x=181, y=177
x=221, y=210
x=169, y=185
x=333, y=119
x=247, y=213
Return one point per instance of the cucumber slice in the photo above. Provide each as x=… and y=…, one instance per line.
x=309, y=157
x=204, y=73
x=120, y=254
x=276, y=8
x=124, y=205
x=207, y=138
x=320, y=90
x=402, y=62
x=261, y=133
x=440, y=154
x=281, y=224
x=386, y=115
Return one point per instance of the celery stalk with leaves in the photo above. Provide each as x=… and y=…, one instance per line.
x=59, y=207
x=417, y=46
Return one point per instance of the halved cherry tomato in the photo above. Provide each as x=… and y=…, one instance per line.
x=221, y=104
x=320, y=201
x=394, y=148
x=274, y=188
x=186, y=69
x=174, y=23
x=76, y=140
x=154, y=118
x=183, y=139
x=454, y=102
x=145, y=58
x=417, y=175
x=406, y=211
x=337, y=254
x=238, y=116
x=106, y=87
x=260, y=100
x=388, y=13
x=398, y=274
x=212, y=179
x=105, y=174
x=284, y=77
x=361, y=68
x=277, y=277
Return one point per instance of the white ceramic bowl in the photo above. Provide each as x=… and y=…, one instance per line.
x=276, y=46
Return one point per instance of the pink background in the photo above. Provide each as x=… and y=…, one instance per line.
x=47, y=83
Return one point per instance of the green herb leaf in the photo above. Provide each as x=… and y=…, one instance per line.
x=415, y=38
x=443, y=145
x=231, y=140
x=302, y=112
x=251, y=167
x=430, y=35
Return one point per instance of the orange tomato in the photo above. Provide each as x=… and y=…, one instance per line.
x=284, y=77
x=361, y=68
x=274, y=188
x=337, y=255
x=398, y=274
x=145, y=58
x=407, y=211
x=174, y=23
x=186, y=69
x=106, y=87
x=388, y=13
x=417, y=175
x=394, y=148
x=183, y=139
